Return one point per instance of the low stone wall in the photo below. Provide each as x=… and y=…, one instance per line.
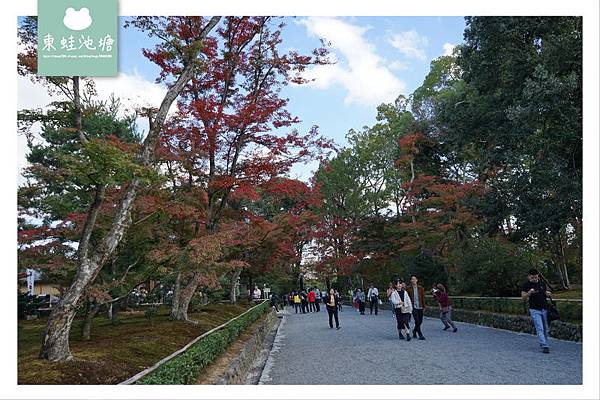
x=518, y=323
x=241, y=365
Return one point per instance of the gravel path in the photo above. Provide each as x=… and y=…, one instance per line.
x=366, y=350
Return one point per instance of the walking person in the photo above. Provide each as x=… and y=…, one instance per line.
x=337, y=294
x=389, y=291
x=333, y=302
x=297, y=302
x=274, y=301
x=373, y=296
x=311, y=296
x=403, y=309
x=535, y=292
x=360, y=299
x=441, y=295
x=256, y=295
x=304, y=302
x=318, y=299
x=417, y=297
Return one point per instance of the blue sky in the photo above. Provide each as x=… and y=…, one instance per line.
x=378, y=58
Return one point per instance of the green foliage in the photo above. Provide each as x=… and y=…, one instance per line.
x=63, y=170
x=428, y=270
x=183, y=369
x=100, y=162
x=492, y=267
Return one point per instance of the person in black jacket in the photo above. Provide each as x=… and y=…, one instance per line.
x=332, y=304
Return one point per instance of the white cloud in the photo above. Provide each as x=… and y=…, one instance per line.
x=360, y=70
x=448, y=48
x=133, y=90
x=410, y=43
x=398, y=66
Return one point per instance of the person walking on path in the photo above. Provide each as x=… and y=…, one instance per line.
x=403, y=309
x=256, y=294
x=373, y=296
x=333, y=302
x=389, y=291
x=417, y=297
x=440, y=294
x=337, y=294
x=535, y=292
x=274, y=301
x=360, y=299
x=304, y=301
x=318, y=299
x=297, y=302
x=311, y=301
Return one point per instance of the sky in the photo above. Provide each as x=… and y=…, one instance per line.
x=377, y=59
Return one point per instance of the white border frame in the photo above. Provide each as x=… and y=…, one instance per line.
x=587, y=8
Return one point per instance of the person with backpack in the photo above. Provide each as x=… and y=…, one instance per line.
x=535, y=292
x=373, y=296
x=441, y=295
x=403, y=310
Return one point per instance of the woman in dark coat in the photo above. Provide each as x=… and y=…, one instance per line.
x=332, y=304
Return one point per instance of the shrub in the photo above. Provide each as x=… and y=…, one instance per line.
x=492, y=267
x=183, y=369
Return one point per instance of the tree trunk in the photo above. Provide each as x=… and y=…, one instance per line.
x=412, y=178
x=185, y=297
x=176, y=292
x=563, y=263
x=233, y=285
x=113, y=313
x=55, y=346
x=87, y=322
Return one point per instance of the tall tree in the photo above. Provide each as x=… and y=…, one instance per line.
x=232, y=130
x=92, y=256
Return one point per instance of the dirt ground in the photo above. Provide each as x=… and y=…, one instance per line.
x=115, y=352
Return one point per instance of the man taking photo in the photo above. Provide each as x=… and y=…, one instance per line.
x=536, y=292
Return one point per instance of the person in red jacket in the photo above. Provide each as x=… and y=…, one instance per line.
x=440, y=294
x=311, y=301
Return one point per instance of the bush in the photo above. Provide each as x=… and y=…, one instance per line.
x=183, y=369
x=569, y=311
x=491, y=267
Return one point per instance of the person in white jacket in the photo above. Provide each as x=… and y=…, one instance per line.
x=402, y=308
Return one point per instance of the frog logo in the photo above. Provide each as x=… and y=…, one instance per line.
x=77, y=20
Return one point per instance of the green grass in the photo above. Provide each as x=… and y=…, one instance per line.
x=115, y=352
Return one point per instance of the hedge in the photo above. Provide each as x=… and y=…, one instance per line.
x=183, y=369
x=568, y=310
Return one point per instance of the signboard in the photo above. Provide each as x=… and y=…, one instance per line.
x=77, y=37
